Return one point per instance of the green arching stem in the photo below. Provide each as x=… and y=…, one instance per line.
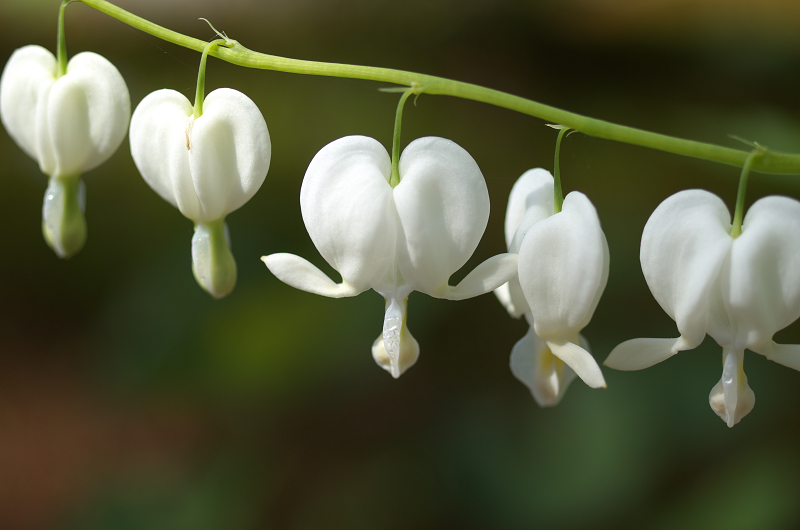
x=738, y=215
x=61, y=45
x=200, y=94
x=558, y=195
x=394, y=180
x=770, y=162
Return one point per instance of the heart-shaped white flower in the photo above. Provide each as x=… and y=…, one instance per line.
x=741, y=291
x=412, y=237
x=68, y=124
x=206, y=167
x=563, y=270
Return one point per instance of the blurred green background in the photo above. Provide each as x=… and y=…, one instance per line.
x=129, y=399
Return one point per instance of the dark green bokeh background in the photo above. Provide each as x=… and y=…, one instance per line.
x=129, y=399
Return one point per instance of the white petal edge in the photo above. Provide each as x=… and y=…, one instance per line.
x=581, y=361
x=786, y=354
x=489, y=275
x=409, y=353
x=301, y=274
x=637, y=354
x=532, y=191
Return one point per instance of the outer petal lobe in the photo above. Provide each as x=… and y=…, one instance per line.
x=443, y=206
x=347, y=208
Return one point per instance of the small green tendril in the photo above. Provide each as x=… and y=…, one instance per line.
x=61, y=45
x=558, y=194
x=201, y=74
x=394, y=179
x=738, y=216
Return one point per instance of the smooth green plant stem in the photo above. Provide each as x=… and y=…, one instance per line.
x=200, y=94
x=61, y=45
x=738, y=215
x=394, y=180
x=558, y=195
x=771, y=162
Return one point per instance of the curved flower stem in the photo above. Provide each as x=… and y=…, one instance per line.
x=394, y=180
x=61, y=46
x=771, y=162
x=736, y=228
x=199, y=95
x=558, y=195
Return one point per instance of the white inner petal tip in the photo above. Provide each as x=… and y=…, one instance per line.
x=392, y=324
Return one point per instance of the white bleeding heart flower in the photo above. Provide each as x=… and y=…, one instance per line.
x=741, y=291
x=206, y=167
x=69, y=124
x=412, y=237
x=563, y=270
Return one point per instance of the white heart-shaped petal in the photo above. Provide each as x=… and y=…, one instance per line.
x=230, y=153
x=563, y=269
x=160, y=145
x=346, y=203
x=88, y=113
x=763, y=280
x=531, y=197
x=24, y=85
x=443, y=206
x=684, y=244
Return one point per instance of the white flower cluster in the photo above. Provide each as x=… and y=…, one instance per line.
x=413, y=234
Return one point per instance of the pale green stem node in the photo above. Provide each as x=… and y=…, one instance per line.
x=63, y=223
x=212, y=261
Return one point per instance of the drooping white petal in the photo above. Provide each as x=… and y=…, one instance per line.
x=346, y=203
x=545, y=375
x=487, y=276
x=785, y=354
x=230, y=153
x=580, y=360
x=563, y=269
x=24, y=85
x=443, y=206
x=761, y=289
x=88, y=111
x=684, y=244
x=159, y=147
x=637, y=354
x=531, y=196
x=300, y=274
x=732, y=398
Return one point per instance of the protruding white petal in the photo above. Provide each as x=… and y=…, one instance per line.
x=581, y=361
x=532, y=196
x=230, y=153
x=159, y=146
x=785, y=354
x=684, y=244
x=443, y=206
x=88, y=111
x=545, y=375
x=300, y=274
x=731, y=398
x=24, y=87
x=495, y=271
x=637, y=354
x=347, y=208
x=762, y=292
x=395, y=350
x=563, y=269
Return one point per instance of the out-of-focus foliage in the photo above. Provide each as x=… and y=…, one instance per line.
x=130, y=399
